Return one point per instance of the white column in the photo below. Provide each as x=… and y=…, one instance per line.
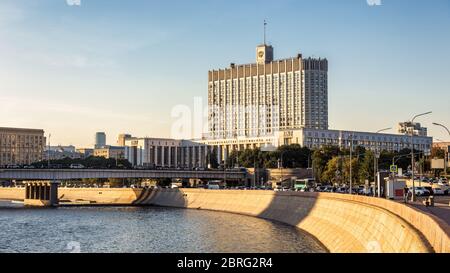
x=176, y=157
x=219, y=154
x=170, y=156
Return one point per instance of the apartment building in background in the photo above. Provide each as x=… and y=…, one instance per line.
x=415, y=128
x=121, y=139
x=110, y=152
x=85, y=152
x=21, y=146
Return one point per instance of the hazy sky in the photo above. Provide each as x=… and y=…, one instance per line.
x=121, y=66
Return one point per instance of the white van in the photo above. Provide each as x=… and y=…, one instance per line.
x=213, y=187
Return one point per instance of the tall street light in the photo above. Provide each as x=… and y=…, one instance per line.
x=376, y=156
x=413, y=197
x=48, y=151
x=446, y=150
x=351, y=154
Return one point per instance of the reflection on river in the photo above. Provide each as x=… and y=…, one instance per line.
x=143, y=229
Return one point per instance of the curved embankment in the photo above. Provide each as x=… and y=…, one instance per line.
x=342, y=223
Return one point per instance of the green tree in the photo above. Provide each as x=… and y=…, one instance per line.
x=116, y=182
x=320, y=158
x=295, y=156
x=355, y=171
x=437, y=153
x=366, y=169
x=332, y=171
x=163, y=182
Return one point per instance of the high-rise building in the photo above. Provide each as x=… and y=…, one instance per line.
x=100, y=140
x=256, y=100
x=121, y=139
x=21, y=146
x=272, y=103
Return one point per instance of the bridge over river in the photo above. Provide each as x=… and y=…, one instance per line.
x=69, y=174
x=41, y=187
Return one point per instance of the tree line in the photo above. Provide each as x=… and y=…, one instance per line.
x=329, y=163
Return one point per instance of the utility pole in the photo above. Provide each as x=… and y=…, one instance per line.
x=48, y=151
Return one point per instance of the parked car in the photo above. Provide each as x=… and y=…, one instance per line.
x=443, y=181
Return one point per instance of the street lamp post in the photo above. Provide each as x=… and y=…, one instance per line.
x=280, y=166
x=48, y=151
x=413, y=197
x=351, y=154
x=446, y=150
x=375, y=167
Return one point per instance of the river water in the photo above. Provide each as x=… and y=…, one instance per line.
x=144, y=229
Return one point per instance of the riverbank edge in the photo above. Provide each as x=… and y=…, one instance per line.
x=342, y=223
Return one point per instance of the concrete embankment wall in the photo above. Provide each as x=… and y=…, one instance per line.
x=17, y=194
x=343, y=223
x=102, y=196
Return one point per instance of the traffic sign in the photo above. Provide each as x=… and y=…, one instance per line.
x=394, y=168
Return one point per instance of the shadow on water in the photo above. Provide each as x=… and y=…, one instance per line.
x=281, y=208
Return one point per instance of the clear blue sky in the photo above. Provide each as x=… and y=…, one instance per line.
x=121, y=66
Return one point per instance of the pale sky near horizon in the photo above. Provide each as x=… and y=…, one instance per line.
x=122, y=66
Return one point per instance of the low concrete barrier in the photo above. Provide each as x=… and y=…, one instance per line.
x=102, y=196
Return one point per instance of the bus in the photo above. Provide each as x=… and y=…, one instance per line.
x=304, y=184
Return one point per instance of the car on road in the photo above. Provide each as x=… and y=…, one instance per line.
x=438, y=191
x=420, y=191
x=76, y=166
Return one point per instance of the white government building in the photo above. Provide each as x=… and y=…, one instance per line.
x=269, y=103
x=160, y=152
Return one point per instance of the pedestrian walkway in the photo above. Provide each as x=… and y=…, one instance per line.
x=439, y=210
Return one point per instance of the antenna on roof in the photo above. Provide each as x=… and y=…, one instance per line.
x=265, y=27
